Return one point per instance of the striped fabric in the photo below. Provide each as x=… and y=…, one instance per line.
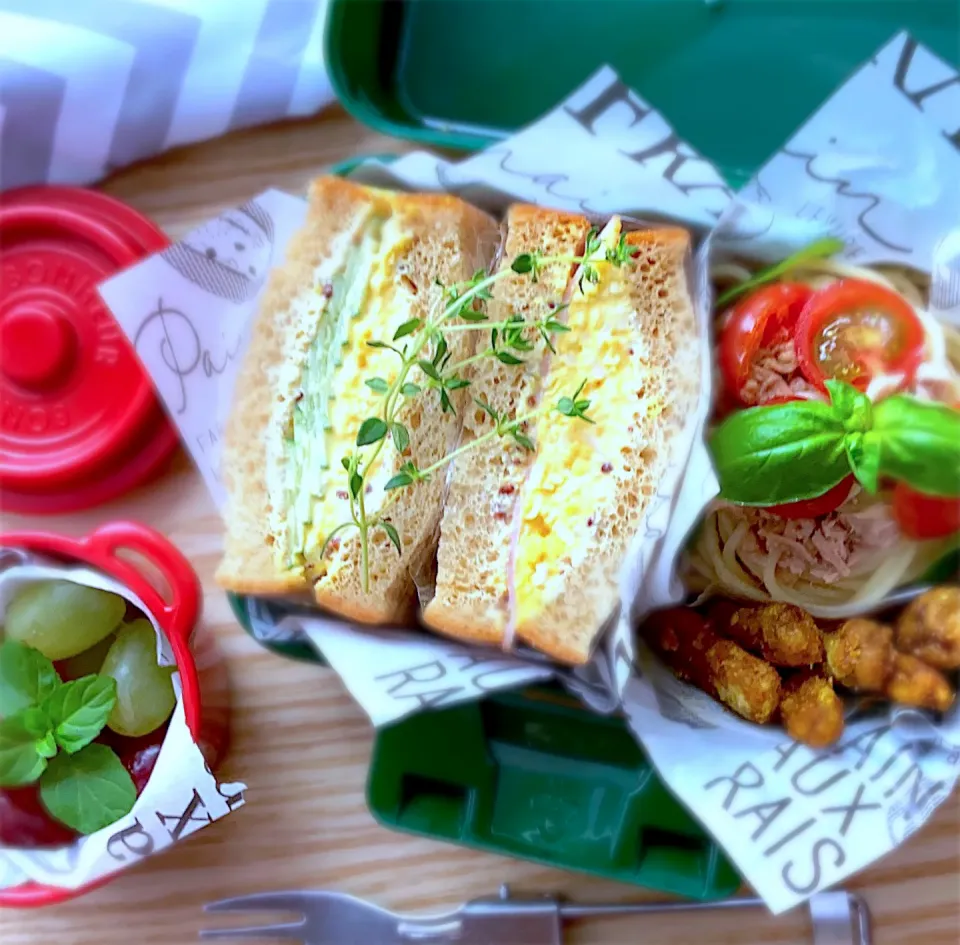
x=88, y=86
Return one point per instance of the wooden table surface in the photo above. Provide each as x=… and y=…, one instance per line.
x=302, y=746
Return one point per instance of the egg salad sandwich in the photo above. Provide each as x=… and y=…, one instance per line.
x=365, y=263
x=533, y=539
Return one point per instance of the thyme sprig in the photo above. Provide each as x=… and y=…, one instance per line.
x=426, y=368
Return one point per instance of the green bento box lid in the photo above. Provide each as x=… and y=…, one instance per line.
x=734, y=77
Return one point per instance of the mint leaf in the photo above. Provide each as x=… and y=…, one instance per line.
x=89, y=790
x=22, y=737
x=27, y=677
x=78, y=710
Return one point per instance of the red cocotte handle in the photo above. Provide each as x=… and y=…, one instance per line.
x=171, y=595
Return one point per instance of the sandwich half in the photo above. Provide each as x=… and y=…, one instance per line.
x=365, y=262
x=532, y=542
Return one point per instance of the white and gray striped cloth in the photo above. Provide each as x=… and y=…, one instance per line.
x=88, y=86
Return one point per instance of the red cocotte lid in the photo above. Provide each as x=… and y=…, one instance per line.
x=79, y=420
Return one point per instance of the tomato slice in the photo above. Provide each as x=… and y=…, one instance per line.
x=853, y=330
x=755, y=320
x=921, y=516
x=830, y=501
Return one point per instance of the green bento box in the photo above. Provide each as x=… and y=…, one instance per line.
x=532, y=773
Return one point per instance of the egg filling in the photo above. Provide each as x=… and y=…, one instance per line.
x=362, y=301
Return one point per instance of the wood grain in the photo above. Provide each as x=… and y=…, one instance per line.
x=301, y=744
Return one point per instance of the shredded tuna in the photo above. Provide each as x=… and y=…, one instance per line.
x=775, y=373
x=826, y=549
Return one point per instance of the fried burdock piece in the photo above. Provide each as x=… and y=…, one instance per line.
x=811, y=712
x=929, y=628
x=697, y=654
x=912, y=682
x=782, y=634
x=860, y=654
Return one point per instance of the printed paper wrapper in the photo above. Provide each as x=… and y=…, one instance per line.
x=188, y=311
x=181, y=797
x=189, y=323
x=877, y=165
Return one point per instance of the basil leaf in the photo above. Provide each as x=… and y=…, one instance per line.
x=919, y=444
x=21, y=738
x=89, y=790
x=27, y=677
x=780, y=453
x=819, y=249
x=863, y=454
x=78, y=710
x=853, y=407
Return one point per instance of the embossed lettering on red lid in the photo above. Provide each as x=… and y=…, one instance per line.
x=79, y=421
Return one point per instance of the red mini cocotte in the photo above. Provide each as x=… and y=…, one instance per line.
x=171, y=595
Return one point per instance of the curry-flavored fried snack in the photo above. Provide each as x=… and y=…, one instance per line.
x=913, y=682
x=782, y=634
x=860, y=654
x=929, y=628
x=811, y=712
x=697, y=654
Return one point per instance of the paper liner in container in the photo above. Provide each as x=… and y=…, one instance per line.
x=189, y=328
x=181, y=796
x=878, y=166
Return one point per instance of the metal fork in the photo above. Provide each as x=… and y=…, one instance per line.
x=333, y=918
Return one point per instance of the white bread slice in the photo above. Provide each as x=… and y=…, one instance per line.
x=405, y=243
x=471, y=600
x=582, y=496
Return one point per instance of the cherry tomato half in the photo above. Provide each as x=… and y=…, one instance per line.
x=754, y=321
x=830, y=501
x=922, y=516
x=853, y=330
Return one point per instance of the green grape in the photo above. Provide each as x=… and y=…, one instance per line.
x=145, y=696
x=62, y=619
x=86, y=663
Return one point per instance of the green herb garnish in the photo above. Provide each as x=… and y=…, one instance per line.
x=771, y=455
x=819, y=249
x=46, y=731
x=422, y=346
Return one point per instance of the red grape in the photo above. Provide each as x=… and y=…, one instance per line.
x=25, y=823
